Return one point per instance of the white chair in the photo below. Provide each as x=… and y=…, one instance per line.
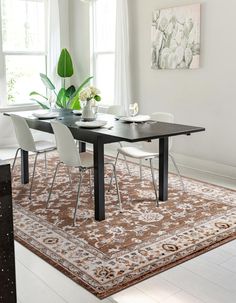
x=71, y=157
x=147, y=152
x=153, y=146
x=116, y=110
x=26, y=142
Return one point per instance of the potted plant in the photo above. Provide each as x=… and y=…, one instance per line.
x=65, y=97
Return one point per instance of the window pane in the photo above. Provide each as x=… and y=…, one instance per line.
x=104, y=25
x=105, y=74
x=23, y=25
x=22, y=74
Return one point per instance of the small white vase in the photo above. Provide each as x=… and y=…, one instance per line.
x=87, y=112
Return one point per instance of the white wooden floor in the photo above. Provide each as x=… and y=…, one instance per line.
x=209, y=278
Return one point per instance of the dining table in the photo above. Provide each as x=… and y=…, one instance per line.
x=114, y=131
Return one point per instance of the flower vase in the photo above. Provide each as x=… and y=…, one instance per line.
x=87, y=112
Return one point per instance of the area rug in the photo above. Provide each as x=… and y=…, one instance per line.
x=126, y=248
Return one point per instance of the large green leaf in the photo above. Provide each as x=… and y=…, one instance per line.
x=44, y=106
x=58, y=104
x=86, y=81
x=65, y=65
x=62, y=98
x=74, y=103
x=47, y=82
x=37, y=94
x=70, y=91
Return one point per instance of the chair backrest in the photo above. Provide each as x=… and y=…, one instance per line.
x=115, y=110
x=23, y=134
x=161, y=117
x=66, y=147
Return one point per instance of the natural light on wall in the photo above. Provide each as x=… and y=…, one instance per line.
x=103, y=15
x=23, y=31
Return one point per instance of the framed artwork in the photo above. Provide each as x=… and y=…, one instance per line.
x=176, y=37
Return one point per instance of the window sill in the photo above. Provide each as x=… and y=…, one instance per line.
x=20, y=107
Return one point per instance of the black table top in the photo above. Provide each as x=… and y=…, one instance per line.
x=120, y=131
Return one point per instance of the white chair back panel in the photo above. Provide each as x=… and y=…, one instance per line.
x=23, y=134
x=115, y=110
x=66, y=147
x=161, y=117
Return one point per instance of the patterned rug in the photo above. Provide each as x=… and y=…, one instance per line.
x=106, y=257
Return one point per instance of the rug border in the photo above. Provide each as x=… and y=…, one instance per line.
x=121, y=287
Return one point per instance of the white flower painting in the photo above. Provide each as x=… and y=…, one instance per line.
x=176, y=37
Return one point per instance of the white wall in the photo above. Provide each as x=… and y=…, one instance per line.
x=204, y=97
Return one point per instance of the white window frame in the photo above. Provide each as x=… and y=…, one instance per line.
x=94, y=53
x=3, y=82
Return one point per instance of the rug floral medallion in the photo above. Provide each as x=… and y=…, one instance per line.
x=144, y=240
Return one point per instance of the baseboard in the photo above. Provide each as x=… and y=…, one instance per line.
x=196, y=168
x=206, y=166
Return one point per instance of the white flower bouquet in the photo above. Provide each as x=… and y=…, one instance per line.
x=90, y=93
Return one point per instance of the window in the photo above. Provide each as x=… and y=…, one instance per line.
x=103, y=47
x=22, y=48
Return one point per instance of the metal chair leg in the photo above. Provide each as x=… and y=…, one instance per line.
x=69, y=176
x=140, y=169
x=90, y=183
x=32, y=181
x=117, y=156
x=154, y=182
x=78, y=195
x=50, y=192
x=117, y=186
x=45, y=164
x=126, y=163
x=127, y=166
x=13, y=165
x=178, y=172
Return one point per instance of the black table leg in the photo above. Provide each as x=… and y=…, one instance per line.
x=82, y=147
x=24, y=167
x=163, y=168
x=99, y=180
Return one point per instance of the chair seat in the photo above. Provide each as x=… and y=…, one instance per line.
x=87, y=160
x=135, y=152
x=42, y=146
